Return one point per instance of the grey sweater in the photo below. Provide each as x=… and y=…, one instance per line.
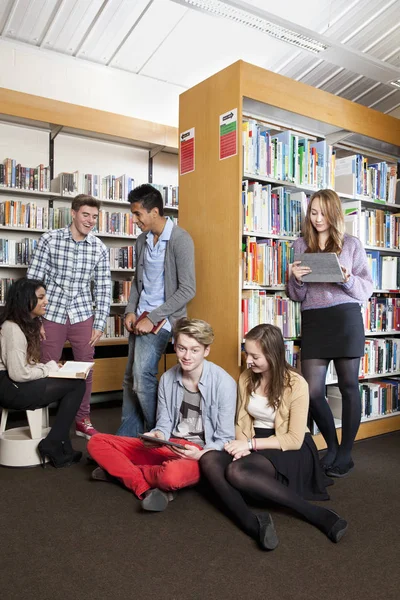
x=179, y=277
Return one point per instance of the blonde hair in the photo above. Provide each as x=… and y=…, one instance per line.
x=332, y=210
x=196, y=328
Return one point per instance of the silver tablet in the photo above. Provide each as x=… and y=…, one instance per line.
x=325, y=267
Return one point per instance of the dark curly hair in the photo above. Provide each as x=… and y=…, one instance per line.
x=21, y=300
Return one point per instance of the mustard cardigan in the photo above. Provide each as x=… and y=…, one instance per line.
x=290, y=418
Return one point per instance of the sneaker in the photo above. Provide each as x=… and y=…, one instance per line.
x=100, y=474
x=85, y=429
x=155, y=500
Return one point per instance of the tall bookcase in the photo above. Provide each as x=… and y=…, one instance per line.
x=68, y=138
x=214, y=186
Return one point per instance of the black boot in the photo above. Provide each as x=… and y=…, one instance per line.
x=59, y=453
x=76, y=455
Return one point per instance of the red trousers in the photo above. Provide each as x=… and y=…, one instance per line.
x=140, y=467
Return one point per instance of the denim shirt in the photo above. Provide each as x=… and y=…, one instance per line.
x=218, y=404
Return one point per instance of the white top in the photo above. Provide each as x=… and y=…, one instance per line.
x=13, y=348
x=262, y=413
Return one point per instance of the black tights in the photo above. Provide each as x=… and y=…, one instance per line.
x=254, y=475
x=70, y=393
x=314, y=371
x=30, y=395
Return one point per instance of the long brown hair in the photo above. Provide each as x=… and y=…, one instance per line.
x=332, y=210
x=272, y=347
x=21, y=300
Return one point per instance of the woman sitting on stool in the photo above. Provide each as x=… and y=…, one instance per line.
x=24, y=381
x=274, y=458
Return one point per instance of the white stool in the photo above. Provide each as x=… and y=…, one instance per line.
x=18, y=446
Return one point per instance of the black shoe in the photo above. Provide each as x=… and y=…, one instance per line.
x=340, y=470
x=155, y=500
x=267, y=535
x=100, y=474
x=58, y=453
x=337, y=530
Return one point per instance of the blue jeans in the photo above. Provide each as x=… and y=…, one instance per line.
x=139, y=398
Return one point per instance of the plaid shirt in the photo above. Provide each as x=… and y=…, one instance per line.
x=76, y=274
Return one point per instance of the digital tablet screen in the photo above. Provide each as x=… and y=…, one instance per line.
x=325, y=267
x=159, y=442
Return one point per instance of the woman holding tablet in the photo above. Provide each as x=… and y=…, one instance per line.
x=332, y=325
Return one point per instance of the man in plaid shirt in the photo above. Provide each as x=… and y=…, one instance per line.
x=75, y=267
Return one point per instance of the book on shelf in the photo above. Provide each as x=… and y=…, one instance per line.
x=13, y=175
x=73, y=370
x=156, y=327
x=66, y=184
x=354, y=176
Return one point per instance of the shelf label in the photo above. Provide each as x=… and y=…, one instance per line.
x=228, y=134
x=186, y=154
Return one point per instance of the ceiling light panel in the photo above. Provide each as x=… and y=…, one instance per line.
x=29, y=19
x=160, y=19
x=218, y=8
x=115, y=21
x=70, y=25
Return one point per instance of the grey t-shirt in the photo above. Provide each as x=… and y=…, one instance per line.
x=190, y=425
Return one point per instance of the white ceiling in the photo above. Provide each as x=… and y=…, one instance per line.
x=166, y=41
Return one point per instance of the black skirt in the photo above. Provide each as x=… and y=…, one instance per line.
x=334, y=332
x=298, y=469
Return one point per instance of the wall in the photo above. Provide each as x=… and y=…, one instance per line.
x=65, y=78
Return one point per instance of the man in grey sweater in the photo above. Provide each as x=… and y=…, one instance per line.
x=163, y=285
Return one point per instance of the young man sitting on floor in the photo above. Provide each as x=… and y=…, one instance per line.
x=196, y=408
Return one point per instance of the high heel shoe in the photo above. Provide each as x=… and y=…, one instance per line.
x=60, y=454
x=76, y=455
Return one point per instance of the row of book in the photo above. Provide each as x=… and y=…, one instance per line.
x=381, y=356
x=271, y=210
x=373, y=227
x=121, y=291
x=385, y=270
x=292, y=353
x=354, y=176
x=260, y=307
x=13, y=252
x=381, y=313
x=122, y=258
x=115, y=327
x=109, y=187
x=266, y=262
x=287, y=156
x=169, y=193
x=14, y=175
x=5, y=284
x=378, y=398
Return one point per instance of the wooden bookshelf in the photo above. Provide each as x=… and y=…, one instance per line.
x=54, y=117
x=214, y=187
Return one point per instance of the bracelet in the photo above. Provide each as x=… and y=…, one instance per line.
x=250, y=444
x=254, y=445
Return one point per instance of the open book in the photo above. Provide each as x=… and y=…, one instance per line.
x=73, y=370
x=156, y=327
